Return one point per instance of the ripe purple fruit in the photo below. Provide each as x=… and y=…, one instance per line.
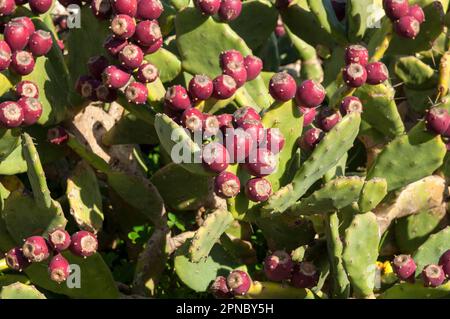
x=84, y=244
x=7, y=7
x=57, y=135
x=86, y=87
x=40, y=6
x=210, y=125
x=131, y=56
x=136, y=93
x=355, y=75
x=105, y=94
x=114, y=45
x=16, y=35
x=253, y=65
x=27, y=89
x=208, y=7
x=215, y=157
x=31, y=108
x=280, y=31
x=115, y=77
x=224, y=87
x=255, y=129
x=147, y=32
x=351, y=104
x=11, y=114
x=237, y=71
x=278, y=266
x=328, y=119
x=177, y=98
x=310, y=94
x=35, y=249
x=219, y=288
x=96, y=65
x=305, y=275
x=229, y=10
x=22, y=62
x=245, y=113
x=239, y=282
x=200, y=87
x=282, y=87
x=58, y=268
x=128, y=7
x=444, y=262
x=239, y=144
x=59, y=239
x=192, y=119
x=404, y=267
x=230, y=56
x=147, y=73
x=283, y=4
x=225, y=121
x=261, y=163
x=258, y=189
x=123, y=26
x=274, y=140
x=395, y=9
x=149, y=9
x=5, y=55
x=416, y=11
x=407, y=27
x=309, y=114
x=340, y=8
x=153, y=47
x=101, y=9
x=311, y=138
x=377, y=73
x=356, y=54
x=16, y=260
x=227, y=185
x=40, y=43
x=437, y=120
x=433, y=275
x=27, y=22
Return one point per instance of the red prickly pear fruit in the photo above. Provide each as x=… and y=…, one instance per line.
x=311, y=138
x=404, y=267
x=355, y=75
x=173, y=114
x=85, y=86
x=210, y=125
x=57, y=135
x=278, y=266
x=136, y=93
x=310, y=94
x=230, y=56
x=16, y=35
x=328, y=119
x=192, y=119
x=219, y=288
x=258, y=189
x=128, y=7
x=40, y=43
x=253, y=65
x=356, y=54
x=255, y=129
x=123, y=26
x=84, y=244
x=60, y=44
x=225, y=121
x=177, y=98
x=437, y=120
x=40, y=6
x=239, y=282
x=7, y=7
x=21, y=2
x=16, y=260
x=153, y=47
x=309, y=115
x=340, y=8
x=239, y=144
x=227, y=185
x=114, y=45
x=131, y=56
x=237, y=71
x=215, y=157
x=149, y=9
x=280, y=31
x=245, y=113
x=416, y=11
x=147, y=73
x=96, y=65
x=147, y=32
x=22, y=62
x=433, y=276
x=377, y=73
x=35, y=249
x=11, y=114
x=230, y=10
x=351, y=104
x=27, y=89
x=261, y=162
x=274, y=140
x=27, y=22
x=305, y=275
x=283, y=4
x=58, y=268
x=115, y=77
x=31, y=108
x=105, y=94
x=407, y=27
x=395, y=9
x=282, y=87
x=5, y=55
x=101, y=9
x=444, y=262
x=224, y=87
x=59, y=239
x=200, y=87
x=208, y=7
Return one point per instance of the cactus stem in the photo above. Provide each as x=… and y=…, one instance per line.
x=3, y=265
x=383, y=45
x=444, y=76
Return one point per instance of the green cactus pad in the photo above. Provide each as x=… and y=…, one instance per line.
x=168, y=65
x=273, y=290
x=361, y=253
x=214, y=225
x=21, y=291
x=415, y=74
x=416, y=291
x=326, y=18
x=359, y=14
x=372, y=194
x=8, y=279
x=9, y=140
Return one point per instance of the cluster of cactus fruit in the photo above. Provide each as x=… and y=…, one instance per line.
x=233, y=149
